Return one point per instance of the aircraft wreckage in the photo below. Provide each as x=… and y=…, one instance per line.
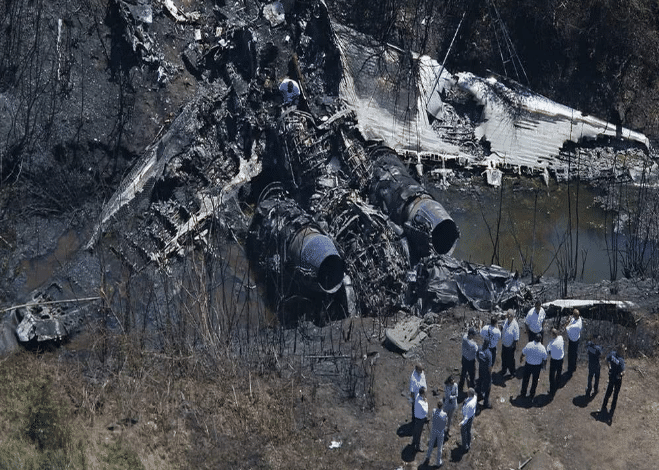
x=341, y=223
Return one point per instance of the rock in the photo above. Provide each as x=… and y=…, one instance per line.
x=406, y=334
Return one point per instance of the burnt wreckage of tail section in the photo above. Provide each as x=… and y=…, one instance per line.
x=332, y=176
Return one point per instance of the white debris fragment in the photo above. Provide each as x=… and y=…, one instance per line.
x=274, y=13
x=179, y=15
x=335, y=445
x=197, y=35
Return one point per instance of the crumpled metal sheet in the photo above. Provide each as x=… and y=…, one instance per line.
x=448, y=282
x=46, y=323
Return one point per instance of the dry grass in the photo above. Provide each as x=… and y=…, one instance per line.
x=141, y=409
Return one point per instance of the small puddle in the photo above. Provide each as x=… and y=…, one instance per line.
x=39, y=270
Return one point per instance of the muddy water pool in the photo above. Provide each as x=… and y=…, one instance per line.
x=533, y=223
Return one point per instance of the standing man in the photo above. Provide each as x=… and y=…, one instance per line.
x=573, y=330
x=535, y=355
x=450, y=400
x=468, y=412
x=509, y=340
x=535, y=320
x=556, y=350
x=420, y=417
x=594, y=355
x=616, y=371
x=417, y=380
x=485, y=373
x=469, y=350
x=492, y=334
x=439, y=419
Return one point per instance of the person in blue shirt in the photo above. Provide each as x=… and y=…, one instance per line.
x=469, y=351
x=616, y=370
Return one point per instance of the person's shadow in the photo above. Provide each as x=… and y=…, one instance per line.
x=405, y=430
x=601, y=417
x=521, y=402
x=498, y=380
x=408, y=454
x=581, y=401
x=542, y=400
x=457, y=453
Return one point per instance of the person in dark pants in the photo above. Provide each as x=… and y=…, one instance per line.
x=468, y=412
x=469, y=350
x=509, y=338
x=616, y=370
x=484, y=358
x=573, y=330
x=556, y=350
x=536, y=355
x=535, y=320
x=594, y=355
x=492, y=334
x=420, y=418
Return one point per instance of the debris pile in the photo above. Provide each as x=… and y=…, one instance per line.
x=334, y=161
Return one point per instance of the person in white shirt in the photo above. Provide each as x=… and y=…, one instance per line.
x=534, y=321
x=450, y=400
x=556, y=350
x=573, y=330
x=468, y=412
x=417, y=380
x=509, y=338
x=492, y=334
x=290, y=91
x=535, y=354
x=420, y=417
x=439, y=419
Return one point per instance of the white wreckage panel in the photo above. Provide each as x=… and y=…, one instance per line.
x=390, y=107
x=524, y=129
x=527, y=129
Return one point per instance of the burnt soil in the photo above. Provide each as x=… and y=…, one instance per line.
x=563, y=433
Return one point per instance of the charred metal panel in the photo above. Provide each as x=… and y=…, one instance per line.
x=425, y=221
x=376, y=257
x=44, y=320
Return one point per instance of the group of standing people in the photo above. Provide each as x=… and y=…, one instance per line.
x=441, y=416
x=535, y=356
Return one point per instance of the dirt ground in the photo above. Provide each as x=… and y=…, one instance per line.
x=563, y=433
